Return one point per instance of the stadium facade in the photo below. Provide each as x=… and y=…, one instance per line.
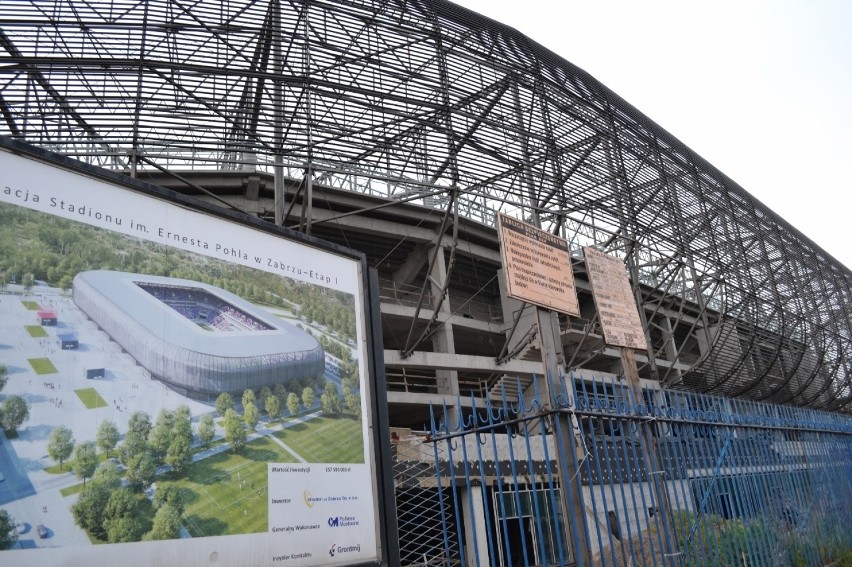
x=199, y=339
x=400, y=129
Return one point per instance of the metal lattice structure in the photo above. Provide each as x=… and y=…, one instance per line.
x=425, y=102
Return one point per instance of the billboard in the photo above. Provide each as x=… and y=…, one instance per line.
x=614, y=299
x=537, y=265
x=214, y=403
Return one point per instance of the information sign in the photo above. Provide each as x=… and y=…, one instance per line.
x=614, y=299
x=537, y=265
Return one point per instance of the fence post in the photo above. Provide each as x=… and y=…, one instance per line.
x=653, y=464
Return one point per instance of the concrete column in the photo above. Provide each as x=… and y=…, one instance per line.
x=442, y=339
x=475, y=529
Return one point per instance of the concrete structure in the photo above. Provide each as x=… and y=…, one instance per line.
x=406, y=146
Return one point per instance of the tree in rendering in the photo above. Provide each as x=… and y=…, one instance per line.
x=8, y=533
x=166, y=524
x=223, y=403
x=136, y=440
x=179, y=454
x=141, y=471
x=308, y=397
x=89, y=509
x=139, y=424
x=14, y=412
x=122, y=502
x=353, y=403
x=330, y=400
x=161, y=435
x=273, y=407
x=107, y=436
x=280, y=392
x=124, y=529
x=170, y=440
x=60, y=445
x=251, y=415
x=235, y=432
x=249, y=397
x=169, y=495
x=206, y=430
x=4, y=376
x=293, y=403
x=122, y=522
x=265, y=394
x=183, y=423
x=85, y=460
x=107, y=474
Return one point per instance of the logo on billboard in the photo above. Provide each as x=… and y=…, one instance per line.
x=340, y=550
x=342, y=521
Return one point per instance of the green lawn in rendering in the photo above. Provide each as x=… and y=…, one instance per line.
x=31, y=305
x=71, y=490
x=227, y=493
x=42, y=366
x=36, y=331
x=90, y=398
x=326, y=440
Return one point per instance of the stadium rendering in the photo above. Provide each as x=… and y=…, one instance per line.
x=401, y=129
x=198, y=339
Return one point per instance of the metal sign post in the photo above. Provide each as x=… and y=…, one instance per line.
x=622, y=327
x=538, y=271
x=567, y=472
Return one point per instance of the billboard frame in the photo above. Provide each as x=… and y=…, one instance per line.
x=379, y=445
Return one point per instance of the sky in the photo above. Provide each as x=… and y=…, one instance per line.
x=761, y=89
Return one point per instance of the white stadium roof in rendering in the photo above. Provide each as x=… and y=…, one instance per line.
x=196, y=337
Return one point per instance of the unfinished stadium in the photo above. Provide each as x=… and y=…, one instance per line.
x=400, y=129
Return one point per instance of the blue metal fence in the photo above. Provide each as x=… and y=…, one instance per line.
x=594, y=476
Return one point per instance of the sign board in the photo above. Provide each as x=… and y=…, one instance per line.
x=231, y=366
x=614, y=299
x=537, y=265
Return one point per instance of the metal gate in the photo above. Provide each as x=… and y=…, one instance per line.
x=597, y=477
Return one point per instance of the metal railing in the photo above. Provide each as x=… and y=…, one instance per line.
x=593, y=476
